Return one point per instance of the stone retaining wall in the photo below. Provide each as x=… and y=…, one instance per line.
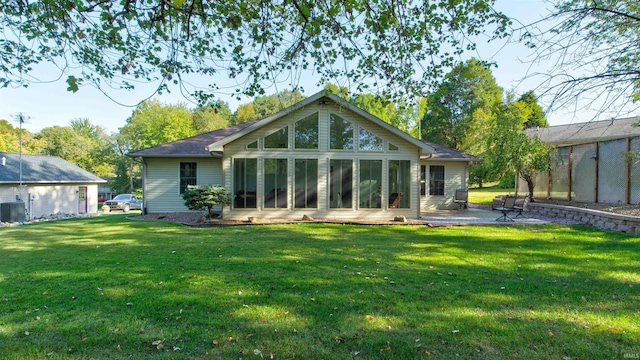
x=596, y=218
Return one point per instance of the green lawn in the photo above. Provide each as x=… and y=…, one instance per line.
x=108, y=288
x=486, y=194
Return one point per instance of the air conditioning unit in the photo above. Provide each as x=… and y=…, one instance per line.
x=12, y=212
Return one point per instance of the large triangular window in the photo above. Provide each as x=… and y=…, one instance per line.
x=306, y=132
x=369, y=142
x=278, y=139
x=340, y=133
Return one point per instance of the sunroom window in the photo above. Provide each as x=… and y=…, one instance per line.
x=275, y=183
x=399, y=184
x=370, y=183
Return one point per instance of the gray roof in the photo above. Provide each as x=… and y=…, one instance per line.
x=447, y=154
x=191, y=146
x=196, y=146
x=592, y=131
x=43, y=169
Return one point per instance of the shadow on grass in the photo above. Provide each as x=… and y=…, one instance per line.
x=108, y=288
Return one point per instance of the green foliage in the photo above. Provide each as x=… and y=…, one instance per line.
x=244, y=113
x=109, y=288
x=497, y=135
x=80, y=143
x=507, y=181
x=400, y=114
x=198, y=197
x=266, y=105
x=153, y=123
x=212, y=116
x=404, y=45
x=449, y=110
x=10, y=139
x=536, y=118
x=128, y=172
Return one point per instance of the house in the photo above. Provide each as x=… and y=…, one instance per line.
x=321, y=157
x=104, y=191
x=592, y=162
x=50, y=185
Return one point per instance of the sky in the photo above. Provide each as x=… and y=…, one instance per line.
x=49, y=104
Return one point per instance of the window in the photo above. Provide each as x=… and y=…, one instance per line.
x=306, y=135
x=306, y=183
x=278, y=139
x=436, y=180
x=369, y=142
x=253, y=145
x=370, y=184
x=245, y=176
x=341, y=184
x=275, y=183
x=399, y=184
x=188, y=175
x=340, y=133
x=392, y=147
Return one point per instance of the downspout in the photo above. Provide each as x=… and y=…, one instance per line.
x=144, y=186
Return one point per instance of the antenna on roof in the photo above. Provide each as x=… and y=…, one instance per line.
x=21, y=119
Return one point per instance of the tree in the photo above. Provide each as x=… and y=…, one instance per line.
x=244, y=113
x=271, y=104
x=198, y=197
x=80, y=143
x=402, y=115
x=536, y=117
x=595, y=48
x=468, y=87
x=404, y=45
x=153, y=123
x=128, y=171
x=498, y=136
x=10, y=139
x=212, y=116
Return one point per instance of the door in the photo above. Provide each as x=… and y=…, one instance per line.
x=82, y=200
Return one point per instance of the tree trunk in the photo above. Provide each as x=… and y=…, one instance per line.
x=530, y=184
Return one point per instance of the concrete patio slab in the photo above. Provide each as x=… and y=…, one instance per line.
x=473, y=216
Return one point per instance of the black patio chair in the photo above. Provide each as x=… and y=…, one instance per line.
x=506, y=208
x=520, y=204
x=461, y=198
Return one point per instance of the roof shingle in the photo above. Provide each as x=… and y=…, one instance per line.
x=191, y=146
x=592, y=131
x=43, y=169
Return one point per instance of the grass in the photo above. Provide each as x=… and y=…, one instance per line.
x=486, y=194
x=106, y=287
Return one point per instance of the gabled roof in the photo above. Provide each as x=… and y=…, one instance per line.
x=204, y=145
x=592, y=131
x=218, y=145
x=445, y=154
x=195, y=146
x=42, y=169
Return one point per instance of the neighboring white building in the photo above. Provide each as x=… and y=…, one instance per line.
x=592, y=162
x=50, y=185
x=321, y=157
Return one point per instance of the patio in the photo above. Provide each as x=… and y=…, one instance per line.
x=474, y=216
